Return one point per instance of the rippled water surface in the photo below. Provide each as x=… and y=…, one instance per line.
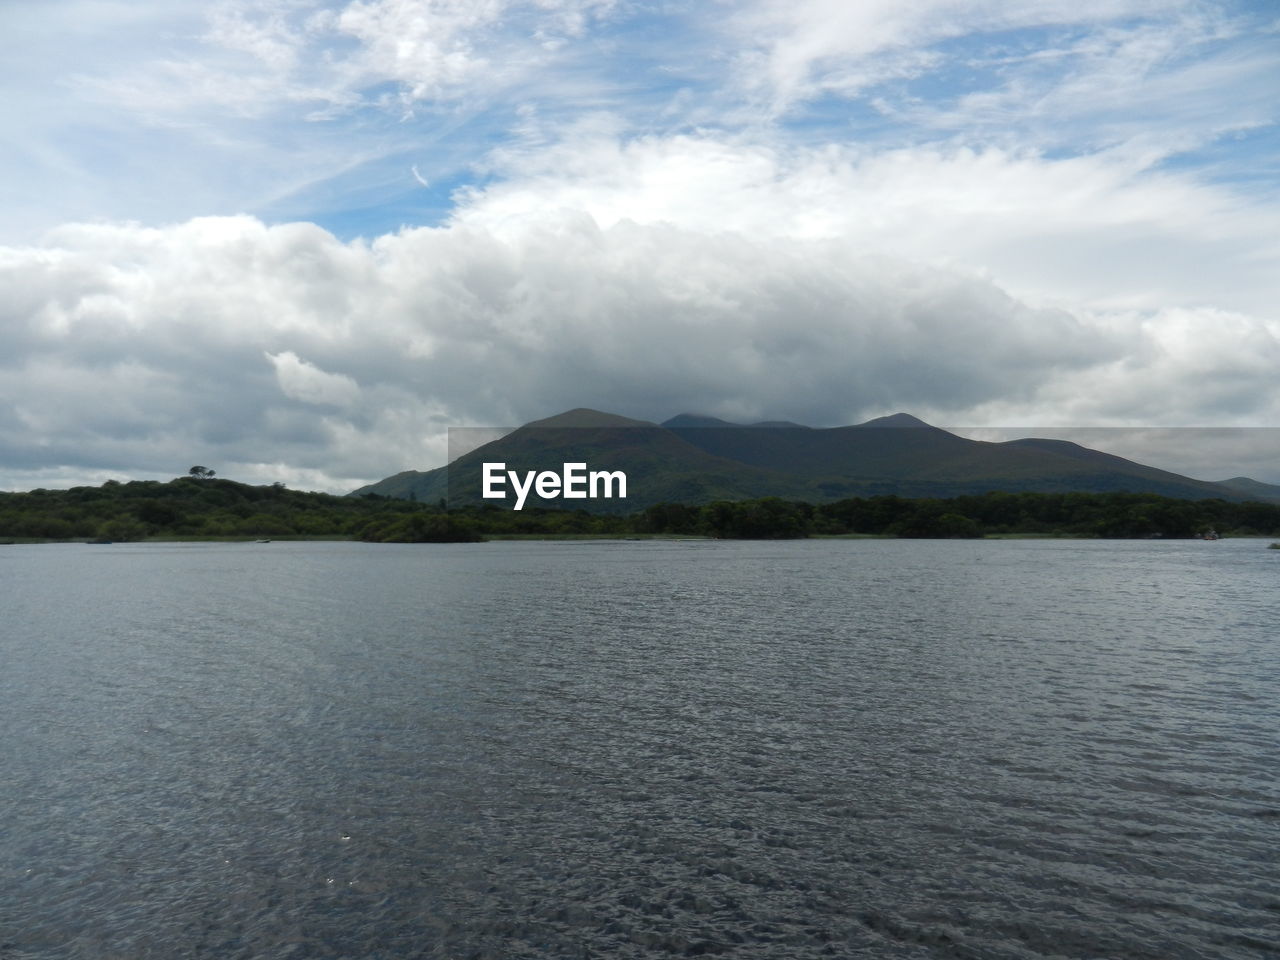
x=622, y=750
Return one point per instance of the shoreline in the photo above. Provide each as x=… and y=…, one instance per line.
x=636, y=537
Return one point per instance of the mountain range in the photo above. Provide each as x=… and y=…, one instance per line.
x=695, y=459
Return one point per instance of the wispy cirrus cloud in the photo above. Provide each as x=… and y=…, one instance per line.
x=799, y=51
x=162, y=111
x=319, y=110
x=257, y=58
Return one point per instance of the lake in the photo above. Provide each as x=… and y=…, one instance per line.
x=836, y=748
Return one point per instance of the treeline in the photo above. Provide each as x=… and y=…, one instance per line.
x=1112, y=515
x=191, y=507
x=185, y=507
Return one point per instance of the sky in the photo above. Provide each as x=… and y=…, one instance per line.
x=296, y=240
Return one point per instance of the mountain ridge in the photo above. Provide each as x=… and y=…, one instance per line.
x=693, y=458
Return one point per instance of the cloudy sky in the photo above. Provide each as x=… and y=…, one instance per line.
x=295, y=240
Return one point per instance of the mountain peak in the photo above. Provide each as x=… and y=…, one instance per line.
x=897, y=421
x=586, y=417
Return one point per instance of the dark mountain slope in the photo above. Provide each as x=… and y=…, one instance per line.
x=697, y=459
x=1253, y=489
x=659, y=464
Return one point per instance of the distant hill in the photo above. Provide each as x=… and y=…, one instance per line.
x=698, y=459
x=904, y=455
x=1253, y=489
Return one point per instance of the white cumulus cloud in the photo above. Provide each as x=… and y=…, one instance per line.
x=282, y=353
x=300, y=380
x=1047, y=213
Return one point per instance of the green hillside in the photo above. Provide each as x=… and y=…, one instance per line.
x=184, y=507
x=194, y=509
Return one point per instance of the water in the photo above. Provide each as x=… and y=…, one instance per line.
x=1005, y=749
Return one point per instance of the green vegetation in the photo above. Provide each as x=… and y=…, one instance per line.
x=1111, y=515
x=208, y=508
x=188, y=507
